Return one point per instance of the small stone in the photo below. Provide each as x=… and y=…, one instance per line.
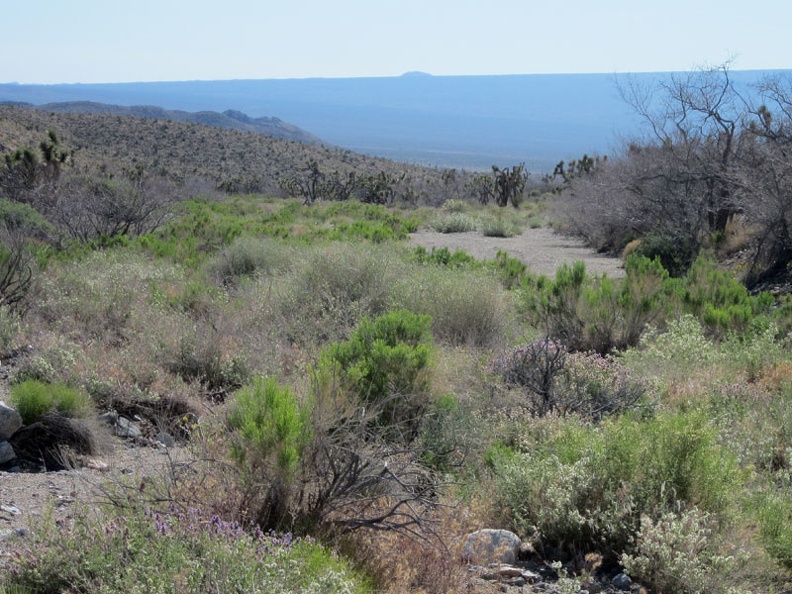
x=126, y=428
x=507, y=571
x=10, y=509
x=96, y=464
x=622, y=582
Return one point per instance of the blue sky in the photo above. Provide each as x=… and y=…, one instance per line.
x=51, y=41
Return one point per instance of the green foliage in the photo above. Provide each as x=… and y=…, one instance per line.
x=385, y=355
x=385, y=363
x=17, y=216
x=587, y=487
x=510, y=270
x=272, y=426
x=774, y=512
x=719, y=300
x=674, y=253
x=455, y=222
x=491, y=226
x=676, y=553
x=33, y=398
x=444, y=257
x=192, y=551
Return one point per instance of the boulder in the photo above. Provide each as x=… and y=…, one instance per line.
x=6, y=452
x=491, y=546
x=10, y=421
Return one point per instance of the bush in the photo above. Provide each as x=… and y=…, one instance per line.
x=597, y=313
x=491, y=226
x=586, y=384
x=467, y=307
x=249, y=256
x=10, y=325
x=385, y=362
x=588, y=486
x=33, y=399
x=192, y=551
x=456, y=222
x=676, y=554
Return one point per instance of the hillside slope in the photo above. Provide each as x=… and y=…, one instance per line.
x=232, y=160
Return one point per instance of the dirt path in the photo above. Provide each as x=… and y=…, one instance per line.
x=542, y=250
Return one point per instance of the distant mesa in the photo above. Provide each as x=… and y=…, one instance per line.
x=415, y=74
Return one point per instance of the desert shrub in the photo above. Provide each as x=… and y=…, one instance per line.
x=597, y=313
x=677, y=352
x=271, y=425
x=385, y=362
x=453, y=205
x=333, y=289
x=23, y=218
x=491, y=226
x=510, y=270
x=675, y=254
x=676, y=553
x=554, y=380
x=444, y=257
x=16, y=267
x=33, y=399
x=199, y=356
x=535, y=367
x=249, y=256
x=588, y=486
x=717, y=299
x=456, y=222
x=192, y=551
x=467, y=307
x=774, y=512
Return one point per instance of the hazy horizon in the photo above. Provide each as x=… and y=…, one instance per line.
x=93, y=41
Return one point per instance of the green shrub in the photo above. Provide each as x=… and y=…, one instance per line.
x=775, y=526
x=271, y=425
x=721, y=302
x=33, y=398
x=385, y=363
x=588, y=486
x=454, y=223
x=444, y=257
x=511, y=271
x=491, y=226
x=597, y=313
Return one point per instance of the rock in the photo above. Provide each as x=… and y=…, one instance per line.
x=165, y=439
x=491, y=546
x=6, y=452
x=10, y=421
x=10, y=509
x=622, y=582
x=121, y=426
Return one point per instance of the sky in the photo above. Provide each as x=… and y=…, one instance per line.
x=88, y=41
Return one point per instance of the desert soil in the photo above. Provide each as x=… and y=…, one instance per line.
x=542, y=250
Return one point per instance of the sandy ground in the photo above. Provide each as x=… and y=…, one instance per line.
x=542, y=250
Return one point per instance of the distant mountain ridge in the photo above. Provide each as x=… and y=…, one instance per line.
x=467, y=122
x=229, y=119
